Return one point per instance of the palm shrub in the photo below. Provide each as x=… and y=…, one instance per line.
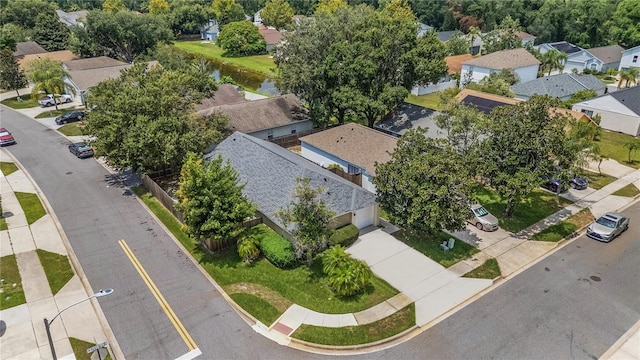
x=248, y=248
x=347, y=276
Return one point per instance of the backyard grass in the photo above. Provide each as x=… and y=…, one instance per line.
x=259, y=63
x=629, y=191
x=57, y=269
x=536, y=206
x=8, y=168
x=598, y=181
x=304, y=286
x=612, y=146
x=362, y=334
x=27, y=102
x=11, y=296
x=31, y=206
x=565, y=228
x=429, y=245
x=431, y=101
x=72, y=129
x=488, y=270
x=80, y=349
x=55, y=113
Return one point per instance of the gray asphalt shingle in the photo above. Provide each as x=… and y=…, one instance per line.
x=559, y=85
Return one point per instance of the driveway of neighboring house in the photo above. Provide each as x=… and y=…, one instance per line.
x=434, y=289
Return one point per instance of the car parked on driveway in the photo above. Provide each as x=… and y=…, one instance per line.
x=50, y=100
x=70, y=117
x=553, y=185
x=6, y=138
x=81, y=150
x=608, y=226
x=483, y=219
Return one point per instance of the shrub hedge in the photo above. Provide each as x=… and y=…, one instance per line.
x=278, y=251
x=345, y=235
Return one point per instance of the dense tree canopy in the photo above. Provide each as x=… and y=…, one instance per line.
x=11, y=76
x=241, y=38
x=210, y=198
x=25, y=12
x=625, y=23
x=187, y=16
x=330, y=6
x=277, y=13
x=227, y=11
x=50, y=33
x=145, y=119
x=423, y=187
x=357, y=60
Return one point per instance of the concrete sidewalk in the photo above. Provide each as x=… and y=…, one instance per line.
x=25, y=336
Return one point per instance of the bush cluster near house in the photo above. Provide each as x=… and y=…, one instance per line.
x=347, y=276
x=278, y=251
x=345, y=235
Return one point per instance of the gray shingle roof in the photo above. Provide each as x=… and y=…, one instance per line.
x=225, y=94
x=88, y=78
x=505, y=59
x=28, y=47
x=559, y=85
x=270, y=174
x=92, y=63
x=608, y=54
x=629, y=97
x=408, y=116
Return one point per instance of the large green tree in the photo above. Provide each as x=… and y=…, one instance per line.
x=308, y=215
x=586, y=23
x=424, y=187
x=24, y=13
x=277, y=13
x=227, y=11
x=211, y=200
x=553, y=60
x=144, y=120
x=11, y=76
x=47, y=76
x=50, y=33
x=458, y=44
x=625, y=23
x=330, y=6
x=502, y=38
x=241, y=38
x=522, y=143
x=123, y=34
x=357, y=60
x=187, y=16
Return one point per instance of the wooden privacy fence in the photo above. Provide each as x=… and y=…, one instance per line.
x=356, y=179
x=169, y=203
x=288, y=141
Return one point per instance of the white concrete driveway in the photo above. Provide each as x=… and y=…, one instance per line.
x=434, y=289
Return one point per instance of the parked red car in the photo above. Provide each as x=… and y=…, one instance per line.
x=6, y=138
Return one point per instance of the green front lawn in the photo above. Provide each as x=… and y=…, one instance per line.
x=72, y=129
x=304, y=286
x=431, y=101
x=535, y=207
x=11, y=296
x=629, y=191
x=31, y=206
x=260, y=309
x=565, y=228
x=598, y=181
x=362, y=334
x=57, y=269
x=489, y=270
x=27, y=102
x=429, y=245
x=612, y=146
x=8, y=168
x=260, y=63
x=80, y=349
x=54, y=113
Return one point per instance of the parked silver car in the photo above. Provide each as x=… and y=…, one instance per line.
x=483, y=219
x=608, y=226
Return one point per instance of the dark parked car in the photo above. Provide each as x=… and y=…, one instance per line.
x=70, y=117
x=608, y=226
x=81, y=150
x=553, y=185
x=6, y=138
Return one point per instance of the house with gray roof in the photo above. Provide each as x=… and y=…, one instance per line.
x=89, y=72
x=270, y=172
x=353, y=147
x=210, y=30
x=519, y=60
x=630, y=59
x=561, y=86
x=599, y=59
x=27, y=48
x=619, y=110
x=265, y=118
x=72, y=18
x=408, y=116
x=562, y=46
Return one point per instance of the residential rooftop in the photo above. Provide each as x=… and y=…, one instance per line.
x=608, y=54
x=559, y=86
x=505, y=59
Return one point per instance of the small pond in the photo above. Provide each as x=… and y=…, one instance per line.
x=248, y=79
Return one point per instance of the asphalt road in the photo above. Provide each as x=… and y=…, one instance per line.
x=95, y=212
x=572, y=305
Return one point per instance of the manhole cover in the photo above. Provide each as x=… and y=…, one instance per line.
x=68, y=173
x=594, y=278
x=547, y=269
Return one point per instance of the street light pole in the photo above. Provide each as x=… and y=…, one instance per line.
x=47, y=323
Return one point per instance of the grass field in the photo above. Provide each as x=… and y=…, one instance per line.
x=11, y=296
x=489, y=270
x=27, y=102
x=565, y=228
x=612, y=146
x=598, y=181
x=260, y=63
x=8, y=168
x=431, y=101
x=629, y=191
x=80, y=349
x=57, y=269
x=429, y=245
x=54, y=113
x=31, y=206
x=72, y=129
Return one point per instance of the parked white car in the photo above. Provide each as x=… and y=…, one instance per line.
x=50, y=100
x=483, y=219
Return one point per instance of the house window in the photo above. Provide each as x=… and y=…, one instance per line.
x=593, y=66
x=293, y=131
x=635, y=59
x=588, y=112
